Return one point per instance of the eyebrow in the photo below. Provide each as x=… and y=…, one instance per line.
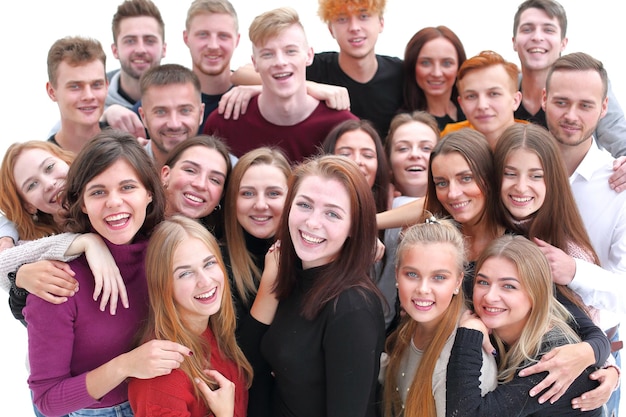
x=325, y=205
x=205, y=260
x=498, y=279
x=29, y=179
x=197, y=165
x=123, y=182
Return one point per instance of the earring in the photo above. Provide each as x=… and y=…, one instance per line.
x=218, y=207
x=35, y=217
x=456, y=290
x=397, y=284
x=165, y=185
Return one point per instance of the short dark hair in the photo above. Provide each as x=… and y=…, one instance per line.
x=75, y=50
x=136, y=8
x=552, y=8
x=168, y=74
x=579, y=61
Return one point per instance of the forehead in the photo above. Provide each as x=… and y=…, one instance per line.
x=493, y=76
x=173, y=95
x=449, y=163
x=213, y=22
x=438, y=47
x=355, y=138
x=139, y=26
x=535, y=16
x=292, y=35
x=572, y=84
x=84, y=71
x=414, y=131
x=204, y=156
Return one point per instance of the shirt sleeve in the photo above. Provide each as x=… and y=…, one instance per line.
x=599, y=287
x=611, y=129
x=8, y=229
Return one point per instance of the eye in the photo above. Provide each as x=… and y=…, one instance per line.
x=186, y=111
x=427, y=148
x=275, y=194
x=184, y=274
x=441, y=184
x=98, y=85
x=31, y=186
x=333, y=215
x=439, y=277
x=369, y=155
x=469, y=97
x=49, y=168
x=216, y=180
x=537, y=177
x=402, y=149
x=481, y=282
x=495, y=94
x=189, y=170
x=129, y=187
x=467, y=178
x=509, y=174
x=412, y=274
x=303, y=205
x=509, y=286
x=247, y=194
x=210, y=263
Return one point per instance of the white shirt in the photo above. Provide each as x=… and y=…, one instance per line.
x=604, y=214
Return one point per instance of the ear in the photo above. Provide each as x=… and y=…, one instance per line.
x=254, y=63
x=330, y=29
x=115, y=51
x=164, y=50
x=237, y=41
x=30, y=209
x=517, y=100
x=564, y=43
x=605, y=107
x=514, y=46
x=201, y=114
x=310, y=55
x=544, y=99
x=186, y=38
x=165, y=175
x=142, y=115
x=382, y=24
x=51, y=92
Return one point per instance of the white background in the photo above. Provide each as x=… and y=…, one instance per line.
x=28, y=28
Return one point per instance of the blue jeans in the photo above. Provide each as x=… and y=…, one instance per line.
x=612, y=406
x=120, y=410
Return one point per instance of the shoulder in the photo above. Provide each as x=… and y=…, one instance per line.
x=357, y=299
x=453, y=127
x=326, y=57
x=389, y=61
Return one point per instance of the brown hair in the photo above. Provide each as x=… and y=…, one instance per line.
x=550, y=7
x=97, y=155
x=579, y=61
x=168, y=74
x=12, y=203
x=271, y=23
x=136, y=8
x=356, y=258
x=414, y=97
x=75, y=51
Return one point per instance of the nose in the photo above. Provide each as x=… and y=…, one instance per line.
x=200, y=182
x=437, y=69
x=87, y=93
x=212, y=41
x=48, y=183
x=174, y=121
x=423, y=287
x=491, y=294
x=113, y=200
x=520, y=183
x=537, y=34
x=415, y=152
x=353, y=24
x=313, y=221
x=454, y=190
x=261, y=202
x=204, y=277
x=483, y=101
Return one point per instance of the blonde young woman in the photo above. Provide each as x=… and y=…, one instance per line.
x=429, y=272
x=514, y=302
x=190, y=304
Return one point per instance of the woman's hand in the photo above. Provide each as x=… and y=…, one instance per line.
x=155, y=358
x=564, y=364
x=106, y=274
x=590, y=400
x=52, y=281
x=470, y=320
x=266, y=303
x=221, y=400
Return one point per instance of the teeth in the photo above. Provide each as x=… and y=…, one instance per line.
x=521, y=199
x=207, y=294
x=282, y=75
x=260, y=219
x=117, y=217
x=415, y=169
x=193, y=198
x=537, y=50
x=423, y=303
x=357, y=40
x=493, y=310
x=311, y=239
x=459, y=205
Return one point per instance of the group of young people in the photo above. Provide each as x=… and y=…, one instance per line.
x=330, y=234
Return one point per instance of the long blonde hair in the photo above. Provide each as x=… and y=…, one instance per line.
x=245, y=273
x=548, y=319
x=164, y=320
x=420, y=400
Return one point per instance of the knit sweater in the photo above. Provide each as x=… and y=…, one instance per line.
x=67, y=341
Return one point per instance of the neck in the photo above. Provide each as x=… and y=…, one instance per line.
x=574, y=155
x=492, y=137
x=424, y=333
x=72, y=137
x=158, y=156
x=441, y=105
x=287, y=111
x=214, y=84
x=130, y=86
x=532, y=85
x=477, y=238
x=361, y=69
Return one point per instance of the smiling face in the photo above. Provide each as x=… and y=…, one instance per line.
x=198, y=282
x=115, y=202
x=281, y=62
x=261, y=200
x=194, y=185
x=211, y=39
x=436, y=68
x=356, y=32
x=360, y=147
x=574, y=106
x=427, y=277
x=40, y=177
x=319, y=220
x=500, y=299
x=171, y=113
x=139, y=45
x=489, y=98
x=411, y=146
x=80, y=91
x=538, y=40
x=523, y=189
x=457, y=189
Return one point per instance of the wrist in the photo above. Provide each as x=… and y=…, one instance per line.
x=14, y=286
x=619, y=374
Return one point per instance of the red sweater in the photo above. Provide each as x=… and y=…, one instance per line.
x=173, y=395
